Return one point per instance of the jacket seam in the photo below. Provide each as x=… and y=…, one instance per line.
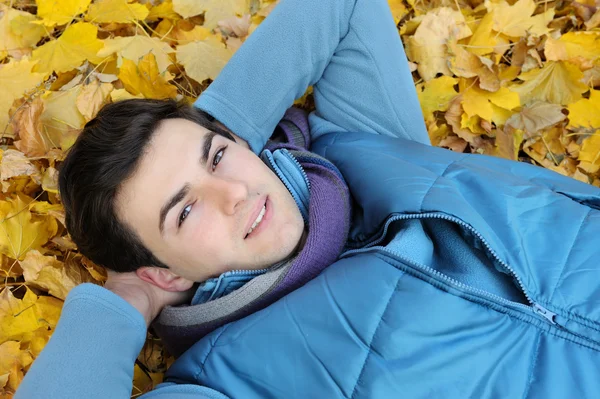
x=570, y=252
x=534, y=361
x=362, y=369
x=436, y=180
x=212, y=346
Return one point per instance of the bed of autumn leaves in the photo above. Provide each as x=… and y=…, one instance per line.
x=514, y=79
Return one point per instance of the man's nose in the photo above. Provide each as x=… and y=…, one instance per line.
x=228, y=194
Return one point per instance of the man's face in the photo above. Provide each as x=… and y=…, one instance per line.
x=194, y=213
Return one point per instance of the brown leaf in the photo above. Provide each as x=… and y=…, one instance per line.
x=536, y=117
x=34, y=142
x=15, y=163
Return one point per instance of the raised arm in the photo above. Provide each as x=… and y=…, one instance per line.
x=349, y=50
x=92, y=353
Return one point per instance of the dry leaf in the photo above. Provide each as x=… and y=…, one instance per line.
x=33, y=140
x=557, y=82
x=104, y=11
x=13, y=360
x=77, y=44
x=60, y=12
x=436, y=95
x=145, y=79
x=516, y=20
x=585, y=113
x=49, y=274
x=428, y=45
x=204, y=59
x=135, y=47
x=15, y=163
x=17, y=32
x=92, y=97
x=214, y=10
x=536, y=117
x=20, y=231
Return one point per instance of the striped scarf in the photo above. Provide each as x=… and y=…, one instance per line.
x=329, y=213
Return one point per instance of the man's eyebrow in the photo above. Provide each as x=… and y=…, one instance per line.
x=170, y=204
x=208, y=138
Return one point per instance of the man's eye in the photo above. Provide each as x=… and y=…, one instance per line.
x=184, y=214
x=218, y=155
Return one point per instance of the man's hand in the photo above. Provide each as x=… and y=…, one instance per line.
x=146, y=297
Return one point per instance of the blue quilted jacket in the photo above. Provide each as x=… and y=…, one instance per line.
x=464, y=276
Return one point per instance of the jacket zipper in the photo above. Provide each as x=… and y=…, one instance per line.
x=534, y=307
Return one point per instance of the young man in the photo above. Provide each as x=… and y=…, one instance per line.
x=453, y=275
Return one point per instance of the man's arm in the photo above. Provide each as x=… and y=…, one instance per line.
x=91, y=353
x=349, y=50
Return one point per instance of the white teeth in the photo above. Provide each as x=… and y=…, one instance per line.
x=258, y=218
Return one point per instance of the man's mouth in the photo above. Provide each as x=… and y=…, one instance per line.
x=256, y=224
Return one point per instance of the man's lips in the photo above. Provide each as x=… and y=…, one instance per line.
x=257, y=208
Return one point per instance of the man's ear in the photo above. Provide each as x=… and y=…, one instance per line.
x=164, y=278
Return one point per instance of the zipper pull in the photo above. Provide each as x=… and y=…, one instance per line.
x=545, y=313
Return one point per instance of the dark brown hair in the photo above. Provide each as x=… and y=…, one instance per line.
x=106, y=153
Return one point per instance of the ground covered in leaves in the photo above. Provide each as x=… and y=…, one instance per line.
x=514, y=79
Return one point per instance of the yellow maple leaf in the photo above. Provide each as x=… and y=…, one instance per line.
x=398, y=9
x=436, y=95
x=92, y=97
x=17, y=33
x=16, y=78
x=465, y=64
x=135, y=47
x=204, y=59
x=50, y=180
x=77, y=44
x=61, y=117
x=122, y=94
x=21, y=231
x=12, y=362
x=119, y=11
x=60, y=12
x=558, y=82
x=181, y=32
x=428, y=46
x=589, y=155
x=516, y=20
x=483, y=40
x=145, y=79
x=21, y=318
x=476, y=101
x=572, y=45
x=214, y=10
x=163, y=10
x=585, y=114
x=49, y=274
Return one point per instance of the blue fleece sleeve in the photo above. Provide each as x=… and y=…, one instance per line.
x=349, y=50
x=91, y=353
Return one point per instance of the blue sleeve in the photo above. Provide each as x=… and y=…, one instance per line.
x=91, y=353
x=349, y=50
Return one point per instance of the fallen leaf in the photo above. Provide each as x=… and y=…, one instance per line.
x=589, y=155
x=584, y=114
x=48, y=274
x=536, y=117
x=214, y=10
x=21, y=231
x=122, y=94
x=484, y=40
x=203, y=59
x=77, y=44
x=427, y=47
x=235, y=26
x=13, y=361
x=480, y=102
x=436, y=95
x=61, y=117
x=92, y=97
x=145, y=79
x=163, y=11
x=573, y=45
x=516, y=20
x=33, y=141
x=558, y=82
x=120, y=11
x=17, y=32
x=135, y=47
x=21, y=318
x=50, y=180
x=15, y=163
x=16, y=79
x=60, y=12
x=468, y=65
